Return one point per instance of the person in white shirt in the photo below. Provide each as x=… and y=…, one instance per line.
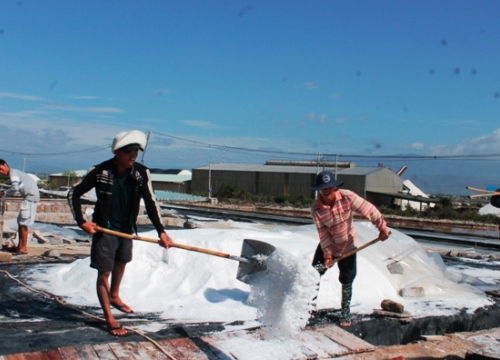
x=27, y=187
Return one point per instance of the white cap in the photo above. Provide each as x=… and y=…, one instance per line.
x=132, y=137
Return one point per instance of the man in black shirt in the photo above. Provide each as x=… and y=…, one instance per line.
x=120, y=183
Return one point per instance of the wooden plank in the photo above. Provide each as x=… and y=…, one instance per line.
x=211, y=342
x=184, y=349
x=189, y=347
x=210, y=350
x=138, y=350
x=87, y=352
x=37, y=355
x=52, y=354
x=148, y=350
x=14, y=357
x=321, y=344
x=171, y=349
x=69, y=353
x=134, y=348
x=122, y=351
x=104, y=352
x=31, y=356
x=345, y=338
x=258, y=339
x=308, y=353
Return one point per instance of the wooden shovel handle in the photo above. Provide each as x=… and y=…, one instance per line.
x=484, y=195
x=176, y=245
x=476, y=189
x=352, y=252
x=482, y=190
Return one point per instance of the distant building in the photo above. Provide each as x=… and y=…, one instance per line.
x=180, y=182
x=60, y=179
x=274, y=180
x=163, y=180
x=411, y=189
x=379, y=185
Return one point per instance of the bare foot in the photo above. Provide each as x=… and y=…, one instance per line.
x=116, y=329
x=21, y=251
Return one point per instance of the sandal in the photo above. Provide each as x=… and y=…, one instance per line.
x=345, y=323
x=117, y=331
x=124, y=308
x=345, y=319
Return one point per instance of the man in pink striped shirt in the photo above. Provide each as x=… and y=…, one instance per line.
x=332, y=213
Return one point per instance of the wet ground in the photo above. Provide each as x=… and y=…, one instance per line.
x=32, y=321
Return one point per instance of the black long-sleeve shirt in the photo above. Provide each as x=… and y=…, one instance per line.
x=101, y=178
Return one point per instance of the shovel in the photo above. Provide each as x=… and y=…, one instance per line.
x=251, y=249
x=483, y=192
x=322, y=268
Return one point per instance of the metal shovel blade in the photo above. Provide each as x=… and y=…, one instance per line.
x=253, y=249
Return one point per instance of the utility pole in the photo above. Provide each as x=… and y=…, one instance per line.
x=24, y=161
x=209, y=180
x=317, y=172
x=336, y=161
x=144, y=152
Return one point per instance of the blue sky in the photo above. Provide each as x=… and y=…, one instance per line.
x=247, y=81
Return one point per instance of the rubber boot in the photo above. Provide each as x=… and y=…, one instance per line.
x=345, y=314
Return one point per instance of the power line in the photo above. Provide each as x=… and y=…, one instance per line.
x=87, y=150
x=402, y=157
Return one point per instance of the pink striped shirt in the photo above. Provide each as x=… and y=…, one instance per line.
x=334, y=223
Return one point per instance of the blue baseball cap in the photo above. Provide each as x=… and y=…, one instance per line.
x=325, y=180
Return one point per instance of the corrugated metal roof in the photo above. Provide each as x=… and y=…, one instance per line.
x=289, y=169
x=362, y=170
x=78, y=173
x=170, y=195
x=261, y=168
x=154, y=177
x=170, y=178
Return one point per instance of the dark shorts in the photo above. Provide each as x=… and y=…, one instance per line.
x=107, y=249
x=347, y=267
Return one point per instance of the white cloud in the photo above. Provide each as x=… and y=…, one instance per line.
x=160, y=92
x=335, y=96
x=84, y=97
x=199, y=124
x=316, y=118
x=21, y=97
x=309, y=86
x=485, y=144
x=94, y=109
